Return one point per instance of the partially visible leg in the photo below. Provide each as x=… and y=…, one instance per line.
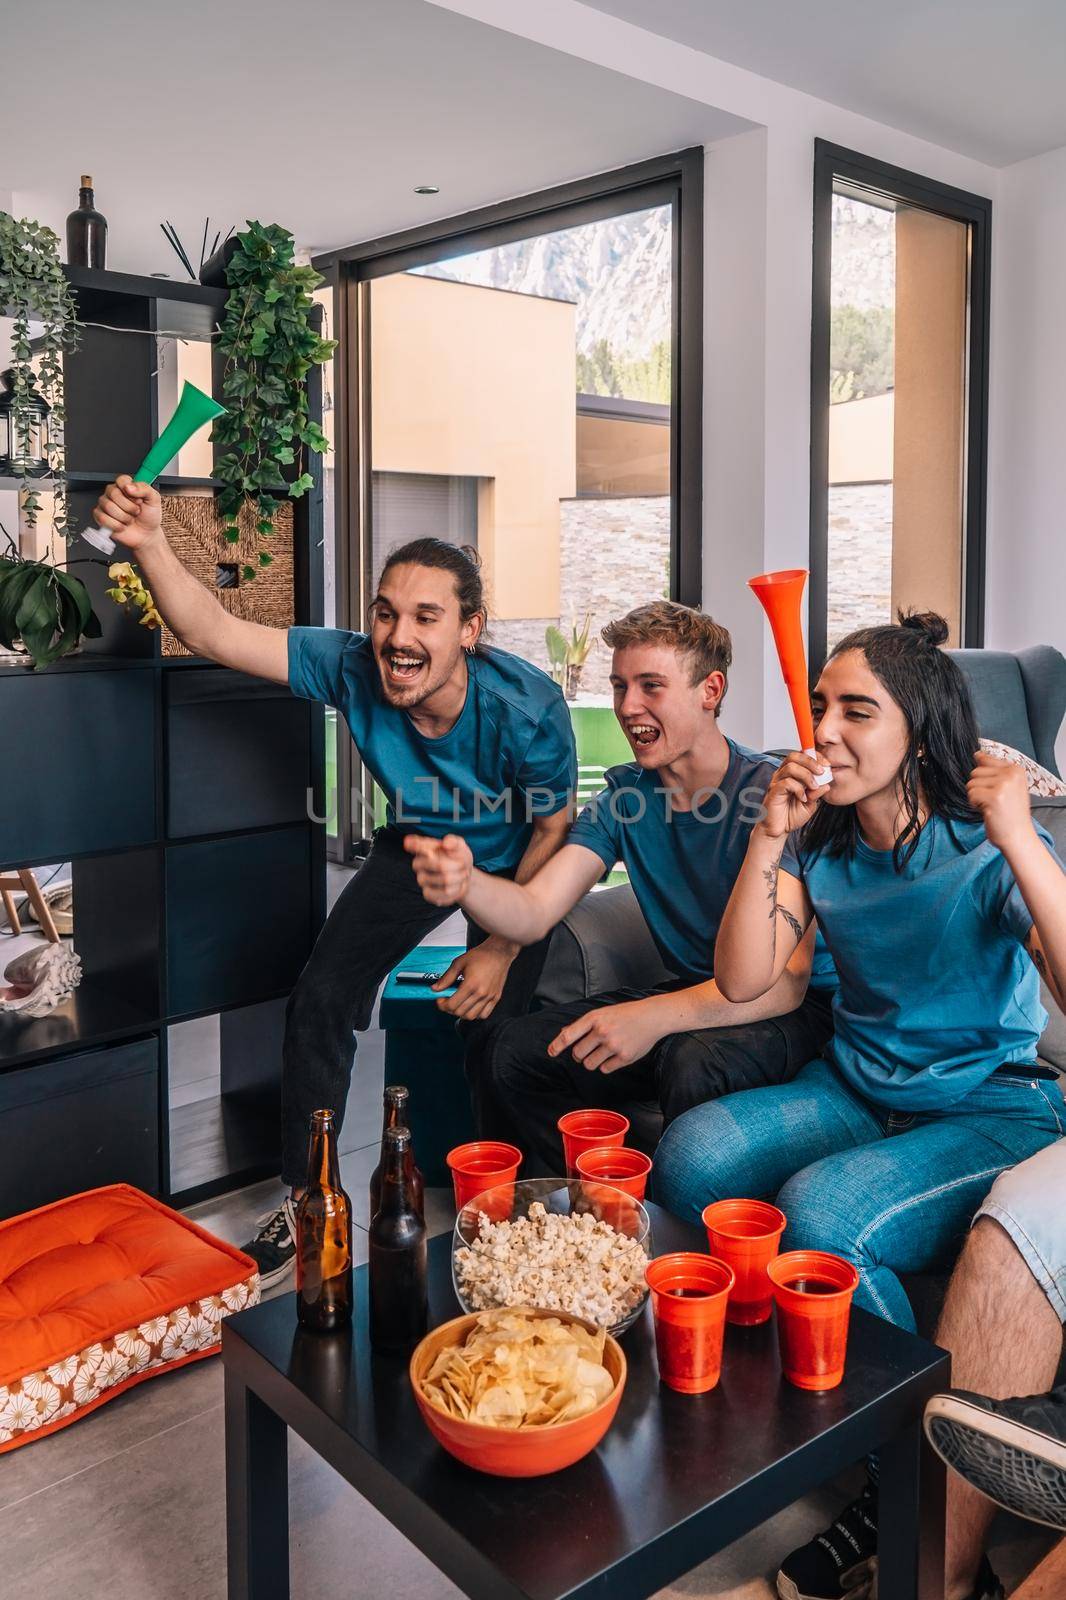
x=691, y=1068
x=1005, y=1338
x=905, y=1205
x=747, y=1145
x=536, y=1089
x=379, y=916
x=492, y=1117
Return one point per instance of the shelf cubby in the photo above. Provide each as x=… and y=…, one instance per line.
x=79, y=767
x=177, y=791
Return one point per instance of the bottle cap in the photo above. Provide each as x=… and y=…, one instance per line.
x=86, y=182
x=398, y=1138
x=397, y=1092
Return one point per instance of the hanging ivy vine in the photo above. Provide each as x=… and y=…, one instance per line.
x=33, y=288
x=269, y=346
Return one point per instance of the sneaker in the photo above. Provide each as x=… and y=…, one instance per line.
x=841, y=1561
x=1014, y=1451
x=274, y=1247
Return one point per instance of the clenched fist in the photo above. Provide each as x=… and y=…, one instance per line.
x=442, y=866
x=131, y=512
x=998, y=790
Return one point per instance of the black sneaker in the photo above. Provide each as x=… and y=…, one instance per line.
x=274, y=1247
x=1014, y=1451
x=841, y=1561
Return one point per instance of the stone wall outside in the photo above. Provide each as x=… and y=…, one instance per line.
x=860, y=557
x=613, y=555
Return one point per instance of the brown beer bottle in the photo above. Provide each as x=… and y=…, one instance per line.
x=323, y=1235
x=397, y=1099
x=398, y=1305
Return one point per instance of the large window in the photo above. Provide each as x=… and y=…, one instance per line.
x=517, y=380
x=898, y=400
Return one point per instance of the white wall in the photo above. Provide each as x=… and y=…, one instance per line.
x=1026, y=573
x=757, y=310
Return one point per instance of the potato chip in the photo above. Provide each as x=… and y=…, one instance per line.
x=515, y=1370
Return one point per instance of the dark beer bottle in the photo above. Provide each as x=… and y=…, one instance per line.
x=397, y=1252
x=397, y=1099
x=323, y=1235
x=86, y=231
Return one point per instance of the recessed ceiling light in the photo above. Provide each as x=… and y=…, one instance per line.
x=427, y=188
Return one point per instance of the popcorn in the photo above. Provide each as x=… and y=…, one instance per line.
x=554, y=1262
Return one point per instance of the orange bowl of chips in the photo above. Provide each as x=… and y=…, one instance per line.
x=518, y=1393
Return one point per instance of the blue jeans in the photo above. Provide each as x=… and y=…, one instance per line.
x=890, y=1192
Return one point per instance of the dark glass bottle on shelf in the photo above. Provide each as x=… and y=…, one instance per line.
x=398, y=1306
x=86, y=231
x=397, y=1099
x=324, y=1293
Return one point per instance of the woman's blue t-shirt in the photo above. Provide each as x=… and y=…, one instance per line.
x=509, y=756
x=936, y=990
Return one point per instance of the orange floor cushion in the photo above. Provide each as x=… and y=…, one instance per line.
x=99, y=1292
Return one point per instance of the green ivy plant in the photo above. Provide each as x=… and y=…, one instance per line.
x=269, y=346
x=33, y=288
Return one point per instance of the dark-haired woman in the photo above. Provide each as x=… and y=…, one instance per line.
x=461, y=737
x=941, y=905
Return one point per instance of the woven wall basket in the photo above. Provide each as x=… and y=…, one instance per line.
x=194, y=530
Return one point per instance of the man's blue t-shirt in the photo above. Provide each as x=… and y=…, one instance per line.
x=682, y=864
x=509, y=756
x=936, y=990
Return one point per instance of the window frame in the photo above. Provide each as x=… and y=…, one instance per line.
x=676, y=180
x=833, y=163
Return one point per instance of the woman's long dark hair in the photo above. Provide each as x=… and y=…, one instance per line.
x=941, y=726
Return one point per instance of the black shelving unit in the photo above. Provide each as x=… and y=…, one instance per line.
x=178, y=791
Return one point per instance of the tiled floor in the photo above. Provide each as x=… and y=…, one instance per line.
x=130, y=1503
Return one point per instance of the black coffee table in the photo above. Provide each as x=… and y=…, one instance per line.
x=676, y=1478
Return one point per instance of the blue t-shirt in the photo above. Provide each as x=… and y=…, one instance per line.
x=681, y=864
x=509, y=756
x=936, y=989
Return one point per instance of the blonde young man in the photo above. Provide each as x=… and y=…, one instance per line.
x=678, y=816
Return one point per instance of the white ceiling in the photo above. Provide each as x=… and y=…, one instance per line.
x=983, y=77
x=322, y=117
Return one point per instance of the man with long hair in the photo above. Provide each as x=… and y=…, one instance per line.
x=460, y=736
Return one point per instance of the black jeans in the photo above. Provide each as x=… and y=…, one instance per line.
x=379, y=916
x=681, y=1071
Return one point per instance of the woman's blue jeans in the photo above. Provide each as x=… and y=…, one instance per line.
x=892, y=1192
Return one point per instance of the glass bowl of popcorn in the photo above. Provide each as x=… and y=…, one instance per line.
x=558, y=1244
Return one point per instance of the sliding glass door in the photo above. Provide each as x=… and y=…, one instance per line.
x=517, y=383
x=898, y=400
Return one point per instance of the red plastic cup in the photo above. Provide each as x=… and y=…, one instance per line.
x=813, y=1291
x=590, y=1130
x=688, y=1299
x=614, y=1164
x=484, y=1164
x=747, y=1235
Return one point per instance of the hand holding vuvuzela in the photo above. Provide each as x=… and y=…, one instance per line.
x=131, y=514
x=780, y=595
x=193, y=412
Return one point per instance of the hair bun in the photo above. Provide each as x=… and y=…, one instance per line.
x=471, y=554
x=928, y=624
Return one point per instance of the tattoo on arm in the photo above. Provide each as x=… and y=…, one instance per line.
x=770, y=877
x=1038, y=961
x=793, y=922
